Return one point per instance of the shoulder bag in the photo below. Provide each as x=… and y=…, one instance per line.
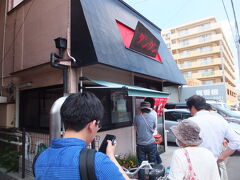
x=191, y=175
x=157, y=137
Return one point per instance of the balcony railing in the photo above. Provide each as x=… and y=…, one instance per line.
x=195, y=52
x=197, y=41
x=211, y=74
x=195, y=31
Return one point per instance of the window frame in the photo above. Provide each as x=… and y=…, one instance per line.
x=23, y=123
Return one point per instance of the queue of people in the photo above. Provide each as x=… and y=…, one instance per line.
x=199, y=158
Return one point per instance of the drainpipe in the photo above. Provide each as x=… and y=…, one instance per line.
x=3, y=44
x=58, y=66
x=55, y=119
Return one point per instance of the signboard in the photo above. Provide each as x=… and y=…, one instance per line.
x=144, y=41
x=209, y=92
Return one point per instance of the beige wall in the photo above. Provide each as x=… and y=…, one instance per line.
x=7, y=114
x=29, y=37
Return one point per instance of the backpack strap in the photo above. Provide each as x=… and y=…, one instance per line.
x=86, y=164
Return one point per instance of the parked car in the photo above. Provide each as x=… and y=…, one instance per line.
x=175, y=112
x=172, y=117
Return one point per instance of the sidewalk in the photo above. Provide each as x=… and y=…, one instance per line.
x=167, y=156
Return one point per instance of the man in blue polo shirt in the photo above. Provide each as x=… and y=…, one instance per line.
x=81, y=114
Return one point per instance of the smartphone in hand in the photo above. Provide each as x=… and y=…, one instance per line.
x=104, y=144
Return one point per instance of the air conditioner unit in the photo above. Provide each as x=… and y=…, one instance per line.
x=3, y=99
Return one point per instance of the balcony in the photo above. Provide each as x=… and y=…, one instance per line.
x=194, y=31
x=195, y=42
x=198, y=65
x=196, y=53
x=229, y=79
x=209, y=75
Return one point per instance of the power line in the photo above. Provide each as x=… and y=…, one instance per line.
x=235, y=22
x=15, y=36
x=228, y=20
x=180, y=9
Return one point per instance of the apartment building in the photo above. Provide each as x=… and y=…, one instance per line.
x=202, y=53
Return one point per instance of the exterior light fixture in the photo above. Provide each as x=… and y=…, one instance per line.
x=61, y=44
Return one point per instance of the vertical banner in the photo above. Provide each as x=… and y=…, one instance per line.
x=159, y=105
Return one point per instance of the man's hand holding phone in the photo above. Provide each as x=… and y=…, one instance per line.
x=111, y=146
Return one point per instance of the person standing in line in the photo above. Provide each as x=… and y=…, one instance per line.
x=146, y=147
x=153, y=112
x=221, y=165
x=191, y=162
x=214, y=129
x=81, y=114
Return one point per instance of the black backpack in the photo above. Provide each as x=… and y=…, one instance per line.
x=86, y=164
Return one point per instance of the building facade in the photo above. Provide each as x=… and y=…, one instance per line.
x=202, y=53
x=98, y=34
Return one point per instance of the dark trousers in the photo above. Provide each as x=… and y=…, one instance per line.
x=144, y=152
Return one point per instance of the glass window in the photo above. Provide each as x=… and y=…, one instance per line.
x=173, y=116
x=35, y=105
x=120, y=111
x=186, y=115
x=117, y=108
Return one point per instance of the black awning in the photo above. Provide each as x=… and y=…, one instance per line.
x=96, y=38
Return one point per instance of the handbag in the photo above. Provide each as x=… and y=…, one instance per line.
x=191, y=175
x=157, y=137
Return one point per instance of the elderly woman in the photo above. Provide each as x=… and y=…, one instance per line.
x=191, y=162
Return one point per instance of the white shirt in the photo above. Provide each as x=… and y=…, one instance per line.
x=203, y=163
x=214, y=129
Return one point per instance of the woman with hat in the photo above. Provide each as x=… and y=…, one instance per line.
x=191, y=162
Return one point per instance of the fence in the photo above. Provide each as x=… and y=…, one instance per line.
x=19, y=147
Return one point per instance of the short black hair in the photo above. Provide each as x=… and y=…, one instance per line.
x=79, y=109
x=151, y=101
x=208, y=107
x=198, y=102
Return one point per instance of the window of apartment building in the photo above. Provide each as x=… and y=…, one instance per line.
x=203, y=26
x=207, y=82
x=184, y=42
x=186, y=64
x=13, y=3
x=204, y=38
x=205, y=49
x=183, y=32
x=187, y=74
x=205, y=61
x=206, y=72
x=185, y=53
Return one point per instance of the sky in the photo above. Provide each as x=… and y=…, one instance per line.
x=169, y=13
